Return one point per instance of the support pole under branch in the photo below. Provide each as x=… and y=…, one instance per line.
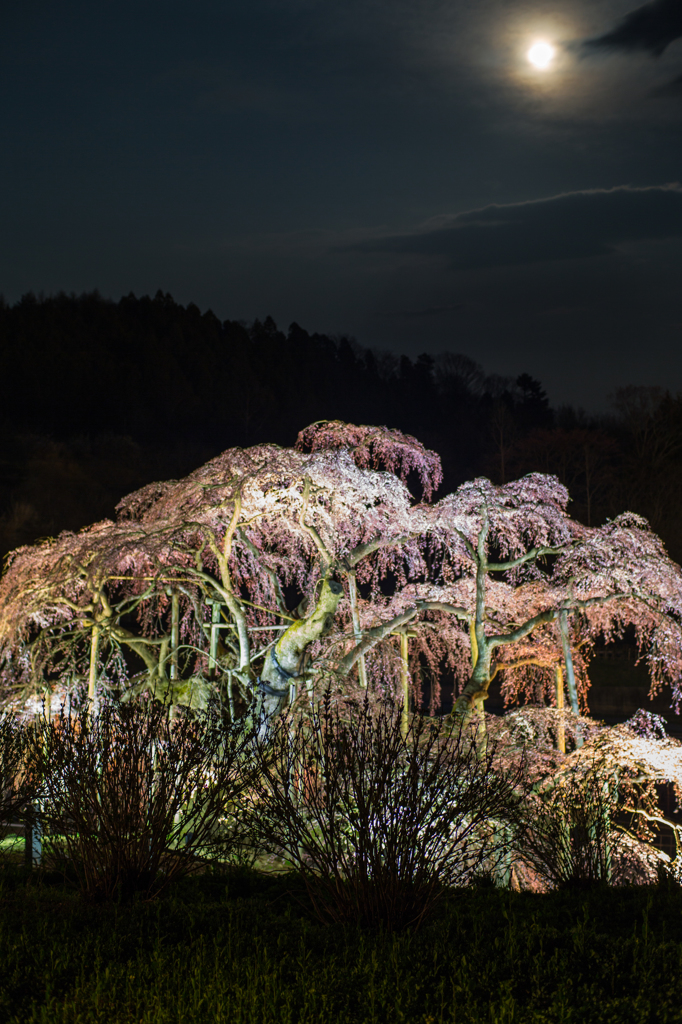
x=94, y=651
x=570, y=674
x=357, y=632
x=568, y=660
x=405, y=679
x=561, y=733
x=474, y=643
x=175, y=634
x=215, y=622
x=404, y=635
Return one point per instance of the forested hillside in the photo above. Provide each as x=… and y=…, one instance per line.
x=100, y=397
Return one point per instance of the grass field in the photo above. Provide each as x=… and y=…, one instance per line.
x=240, y=947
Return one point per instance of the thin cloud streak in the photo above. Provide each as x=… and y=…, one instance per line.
x=652, y=27
x=574, y=225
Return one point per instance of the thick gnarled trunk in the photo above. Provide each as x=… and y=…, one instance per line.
x=283, y=661
x=469, y=708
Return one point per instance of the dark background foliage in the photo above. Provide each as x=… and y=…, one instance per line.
x=101, y=397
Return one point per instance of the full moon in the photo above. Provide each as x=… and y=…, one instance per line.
x=541, y=55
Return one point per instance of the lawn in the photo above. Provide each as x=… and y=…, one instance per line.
x=241, y=947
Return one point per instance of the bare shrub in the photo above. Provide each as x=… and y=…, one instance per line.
x=379, y=824
x=17, y=780
x=569, y=838
x=132, y=797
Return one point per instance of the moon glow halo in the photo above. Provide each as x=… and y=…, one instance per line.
x=541, y=55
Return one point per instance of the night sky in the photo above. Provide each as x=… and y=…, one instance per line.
x=392, y=169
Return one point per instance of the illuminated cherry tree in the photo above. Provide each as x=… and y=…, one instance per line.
x=272, y=572
x=540, y=588
x=206, y=568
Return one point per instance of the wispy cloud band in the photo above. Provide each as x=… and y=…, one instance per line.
x=572, y=225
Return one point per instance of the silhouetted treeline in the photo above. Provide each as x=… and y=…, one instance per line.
x=100, y=397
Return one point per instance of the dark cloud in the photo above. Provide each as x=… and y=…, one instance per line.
x=651, y=27
x=574, y=225
x=673, y=88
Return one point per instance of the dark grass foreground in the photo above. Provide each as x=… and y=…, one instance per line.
x=240, y=947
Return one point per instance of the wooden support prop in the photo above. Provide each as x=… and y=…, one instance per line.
x=474, y=643
x=215, y=623
x=175, y=634
x=405, y=679
x=570, y=674
x=404, y=635
x=561, y=733
x=94, y=651
x=357, y=632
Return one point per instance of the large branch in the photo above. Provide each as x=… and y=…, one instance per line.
x=374, y=636
x=502, y=666
x=547, y=616
x=310, y=530
x=521, y=631
x=528, y=557
x=362, y=550
x=230, y=531
x=443, y=606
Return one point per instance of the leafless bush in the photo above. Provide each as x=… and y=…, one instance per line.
x=17, y=780
x=131, y=797
x=379, y=824
x=569, y=837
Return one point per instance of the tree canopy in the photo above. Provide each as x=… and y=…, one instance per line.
x=269, y=569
